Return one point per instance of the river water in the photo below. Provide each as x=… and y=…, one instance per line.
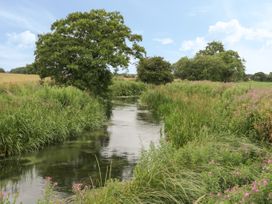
x=118, y=145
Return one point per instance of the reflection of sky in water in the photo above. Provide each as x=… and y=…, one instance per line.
x=130, y=131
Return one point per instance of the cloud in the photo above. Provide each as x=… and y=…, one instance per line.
x=254, y=44
x=234, y=32
x=17, y=49
x=193, y=45
x=164, y=41
x=23, y=40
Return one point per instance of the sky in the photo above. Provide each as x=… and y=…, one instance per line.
x=170, y=28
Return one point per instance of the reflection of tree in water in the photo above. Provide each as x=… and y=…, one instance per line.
x=80, y=164
x=12, y=169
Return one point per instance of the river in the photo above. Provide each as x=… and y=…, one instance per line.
x=118, y=146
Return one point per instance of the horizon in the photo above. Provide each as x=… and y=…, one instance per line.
x=169, y=30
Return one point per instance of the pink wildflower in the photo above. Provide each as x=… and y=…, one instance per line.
x=265, y=182
x=77, y=187
x=246, y=194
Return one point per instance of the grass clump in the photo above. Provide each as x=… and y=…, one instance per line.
x=34, y=116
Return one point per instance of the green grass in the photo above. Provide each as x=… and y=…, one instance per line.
x=126, y=88
x=34, y=116
x=217, y=141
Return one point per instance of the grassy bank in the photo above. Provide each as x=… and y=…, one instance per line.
x=216, y=148
x=126, y=88
x=34, y=116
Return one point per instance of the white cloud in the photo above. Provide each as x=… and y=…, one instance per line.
x=193, y=45
x=254, y=44
x=234, y=32
x=24, y=39
x=164, y=41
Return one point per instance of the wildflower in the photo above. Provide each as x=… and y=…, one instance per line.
x=219, y=194
x=77, y=187
x=269, y=161
x=246, y=194
x=255, y=187
x=265, y=182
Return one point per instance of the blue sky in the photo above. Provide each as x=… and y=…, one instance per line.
x=170, y=29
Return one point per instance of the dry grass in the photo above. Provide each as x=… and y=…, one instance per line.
x=18, y=78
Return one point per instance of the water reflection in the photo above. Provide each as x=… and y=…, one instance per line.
x=130, y=130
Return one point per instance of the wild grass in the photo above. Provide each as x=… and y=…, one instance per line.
x=216, y=147
x=126, y=88
x=33, y=116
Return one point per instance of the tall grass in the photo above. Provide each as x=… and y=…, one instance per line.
x=34, y=116
x=124, y=88
x=216, y=147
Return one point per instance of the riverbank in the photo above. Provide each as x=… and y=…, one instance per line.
x=34, y=116
x=217, y=148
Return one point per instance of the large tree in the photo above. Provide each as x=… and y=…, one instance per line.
x=81, y=49
x=154, y=70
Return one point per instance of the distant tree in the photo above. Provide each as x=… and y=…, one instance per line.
x=154, y=70
x=181, y=68
x=81, y=49
x=269, y=77
x=235, y=68
x=259, y=76
x=2, y=70
x=28, y=69
x=213, y=63
x=212, y=48
x=210, y=67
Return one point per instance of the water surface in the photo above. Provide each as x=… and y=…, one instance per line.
x=119, y=145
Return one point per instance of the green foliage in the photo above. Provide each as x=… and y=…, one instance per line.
x=33, y=117
x=2, y=70
x=81, y=49
x=126, y=88
x=154, y=70
x=212, y=48
x=28, y=69
x=260, y=76
x=213, y=63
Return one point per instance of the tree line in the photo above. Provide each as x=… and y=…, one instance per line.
x=83, y=49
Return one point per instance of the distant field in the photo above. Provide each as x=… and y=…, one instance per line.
x=18, y=78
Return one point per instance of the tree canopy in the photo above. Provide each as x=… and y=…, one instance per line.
x=154, y=70
x=260, y=76
x=81, y=49
x=213, y=63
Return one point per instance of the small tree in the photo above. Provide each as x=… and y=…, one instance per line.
x=2, y=70
x=154, y=70
x=81, y=49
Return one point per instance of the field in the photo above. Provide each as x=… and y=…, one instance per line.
x=18, y=78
